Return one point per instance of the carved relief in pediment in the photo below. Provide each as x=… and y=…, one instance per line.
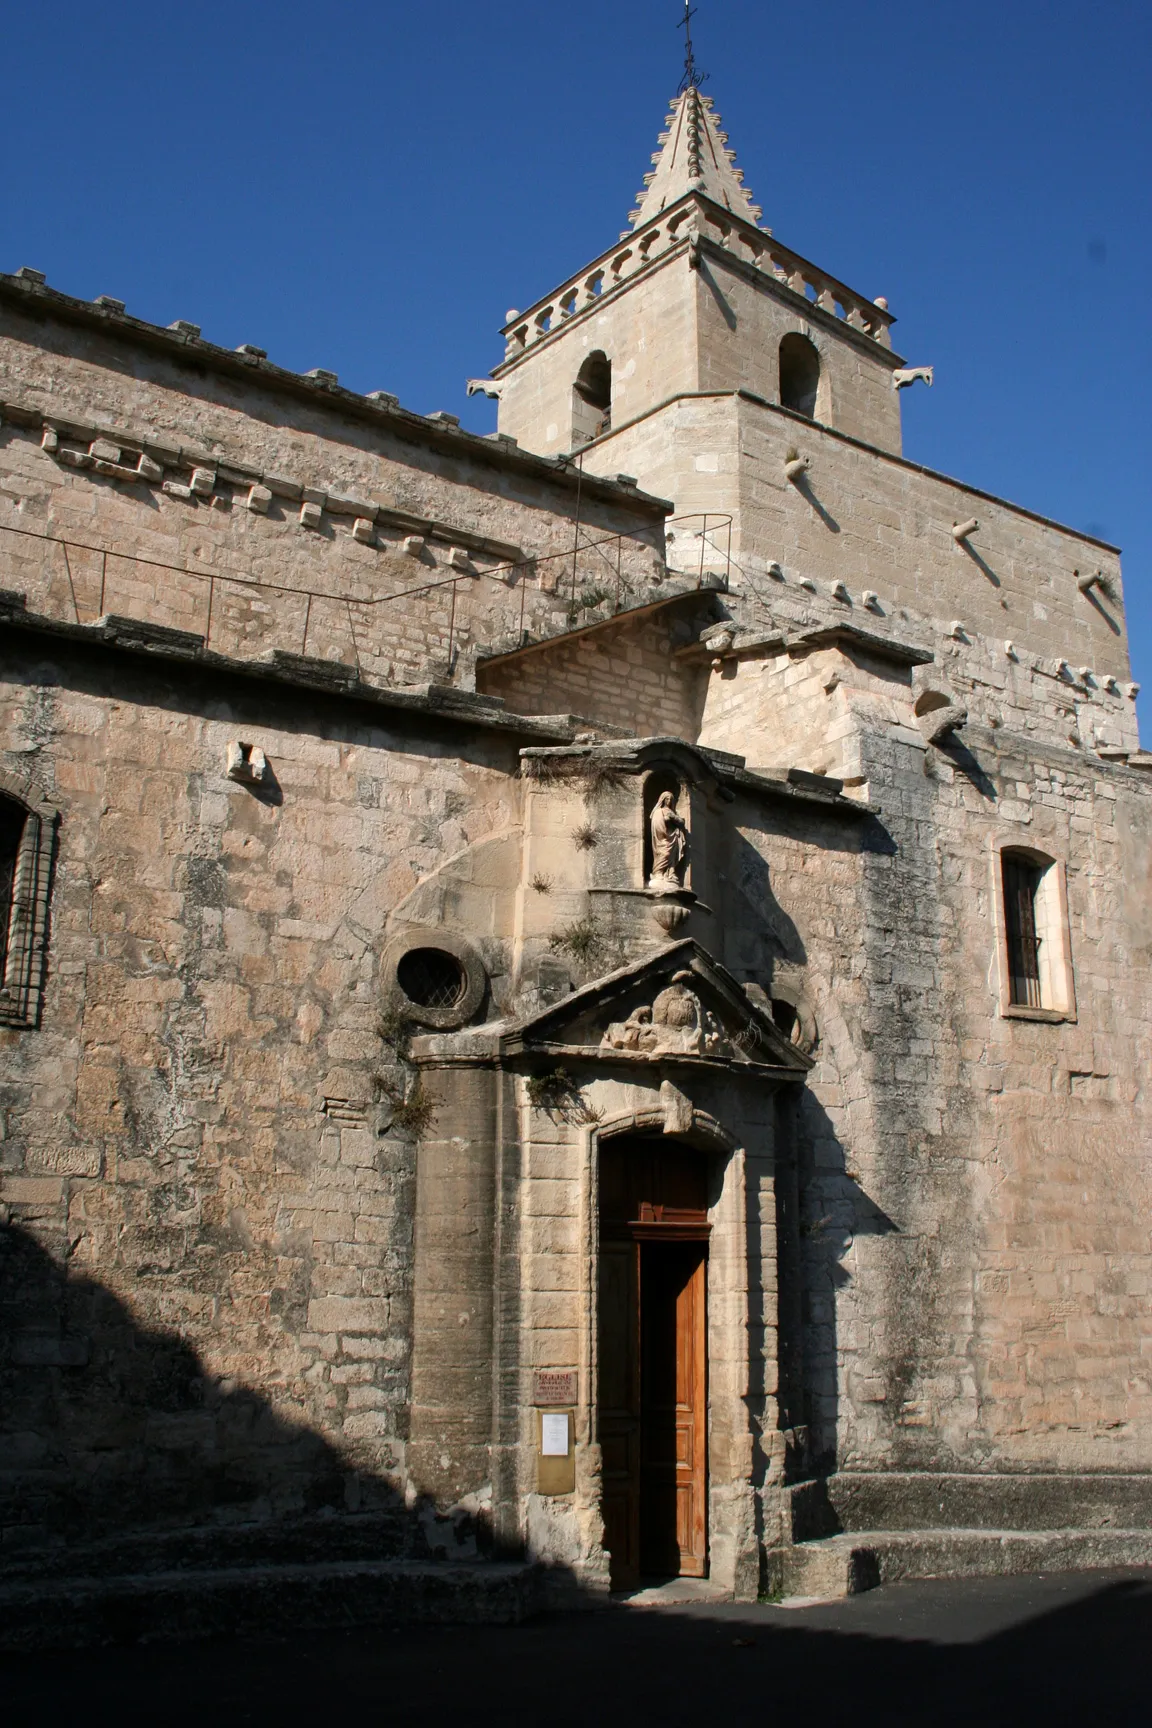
x=677, y=1023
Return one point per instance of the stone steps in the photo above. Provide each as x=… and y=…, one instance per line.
x=844, y=1565
x=388, y=1535
x=248, y=1601
x=908, y=1500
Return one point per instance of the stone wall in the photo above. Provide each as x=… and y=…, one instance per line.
x=973, y=1184
x=275, y=513
x=742, y=317
x=881, y=528
x=621, y=674
x=536, y=394
x=233, y=1291
x=193, y=1160
x=200, y=1179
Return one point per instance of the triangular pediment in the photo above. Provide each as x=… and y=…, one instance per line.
x=678, y=1005
x=694, y=157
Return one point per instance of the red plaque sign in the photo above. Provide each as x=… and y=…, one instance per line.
x=554, y=1386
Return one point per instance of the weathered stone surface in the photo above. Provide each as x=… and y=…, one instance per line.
x=300, y=1138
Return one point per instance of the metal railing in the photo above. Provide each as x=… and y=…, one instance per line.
x=607, y=559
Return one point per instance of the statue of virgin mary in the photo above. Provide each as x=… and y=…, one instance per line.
x=669, y=844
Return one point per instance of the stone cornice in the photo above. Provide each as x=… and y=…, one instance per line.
x=758, y=644
x=598, y=627
x=167, y=648
x=864, y=641
x=795, y=785
x=28, y=294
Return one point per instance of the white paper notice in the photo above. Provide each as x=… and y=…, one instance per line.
x=553, y=1436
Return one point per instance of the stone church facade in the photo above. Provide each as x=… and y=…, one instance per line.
x=559, y=1025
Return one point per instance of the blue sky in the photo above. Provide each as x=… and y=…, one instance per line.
x=368, y=188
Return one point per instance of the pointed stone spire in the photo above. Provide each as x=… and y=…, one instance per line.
x=694, y=157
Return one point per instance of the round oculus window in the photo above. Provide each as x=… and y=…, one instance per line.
x=432, y=978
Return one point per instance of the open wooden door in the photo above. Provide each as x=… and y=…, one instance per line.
x=672, y=1409
x=652, y=1393
x=619, y=1409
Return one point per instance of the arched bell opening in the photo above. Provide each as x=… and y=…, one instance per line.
x=592, y=399
x=799, y=375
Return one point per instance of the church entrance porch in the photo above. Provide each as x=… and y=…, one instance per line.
x=652, y=1358
x=624, y=1190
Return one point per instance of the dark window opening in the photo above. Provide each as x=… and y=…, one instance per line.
x=799, y=375
x=1022, y=881
x=432, y=978
x=786, y=1018
x=12, y=817
x=592, y=399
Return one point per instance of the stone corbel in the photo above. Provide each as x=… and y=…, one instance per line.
x=937, y=715
x=246, y=763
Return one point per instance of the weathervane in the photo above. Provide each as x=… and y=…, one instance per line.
x=693, y=77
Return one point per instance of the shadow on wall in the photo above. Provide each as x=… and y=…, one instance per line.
x=110, y=1432
x=821, y=1206
x=833, y=1211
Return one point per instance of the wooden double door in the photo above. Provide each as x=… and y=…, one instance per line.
x=652, y=1391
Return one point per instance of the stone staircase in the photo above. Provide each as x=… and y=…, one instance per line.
x=855, y=1530
x=252, y=1580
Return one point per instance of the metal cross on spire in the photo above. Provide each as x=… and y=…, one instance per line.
x=693, y=77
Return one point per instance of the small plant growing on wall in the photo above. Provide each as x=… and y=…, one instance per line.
x=592, y=775
x=541, y=884
x=584, y=940
x=394, y=1028
x=412, y=1110
x=557, y=1092
x=584, y=837
x=546, y=1088
x=412, y=1105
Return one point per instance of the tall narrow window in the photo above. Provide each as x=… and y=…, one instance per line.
x=592, y=399
x=27, y=844
x=1022, y=880
x=799, y=374
x=12, y=819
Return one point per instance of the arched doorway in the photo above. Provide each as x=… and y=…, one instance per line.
x=652, y=1393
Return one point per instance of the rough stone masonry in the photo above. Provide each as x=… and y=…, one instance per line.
x=411, y=1196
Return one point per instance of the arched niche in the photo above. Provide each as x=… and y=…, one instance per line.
x=663, y=777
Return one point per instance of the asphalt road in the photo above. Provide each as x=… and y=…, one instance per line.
x=1053, y=1650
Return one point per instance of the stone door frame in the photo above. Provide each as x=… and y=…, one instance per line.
x=733, y=1542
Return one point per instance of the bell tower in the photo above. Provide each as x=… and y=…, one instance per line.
x=648, y=358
